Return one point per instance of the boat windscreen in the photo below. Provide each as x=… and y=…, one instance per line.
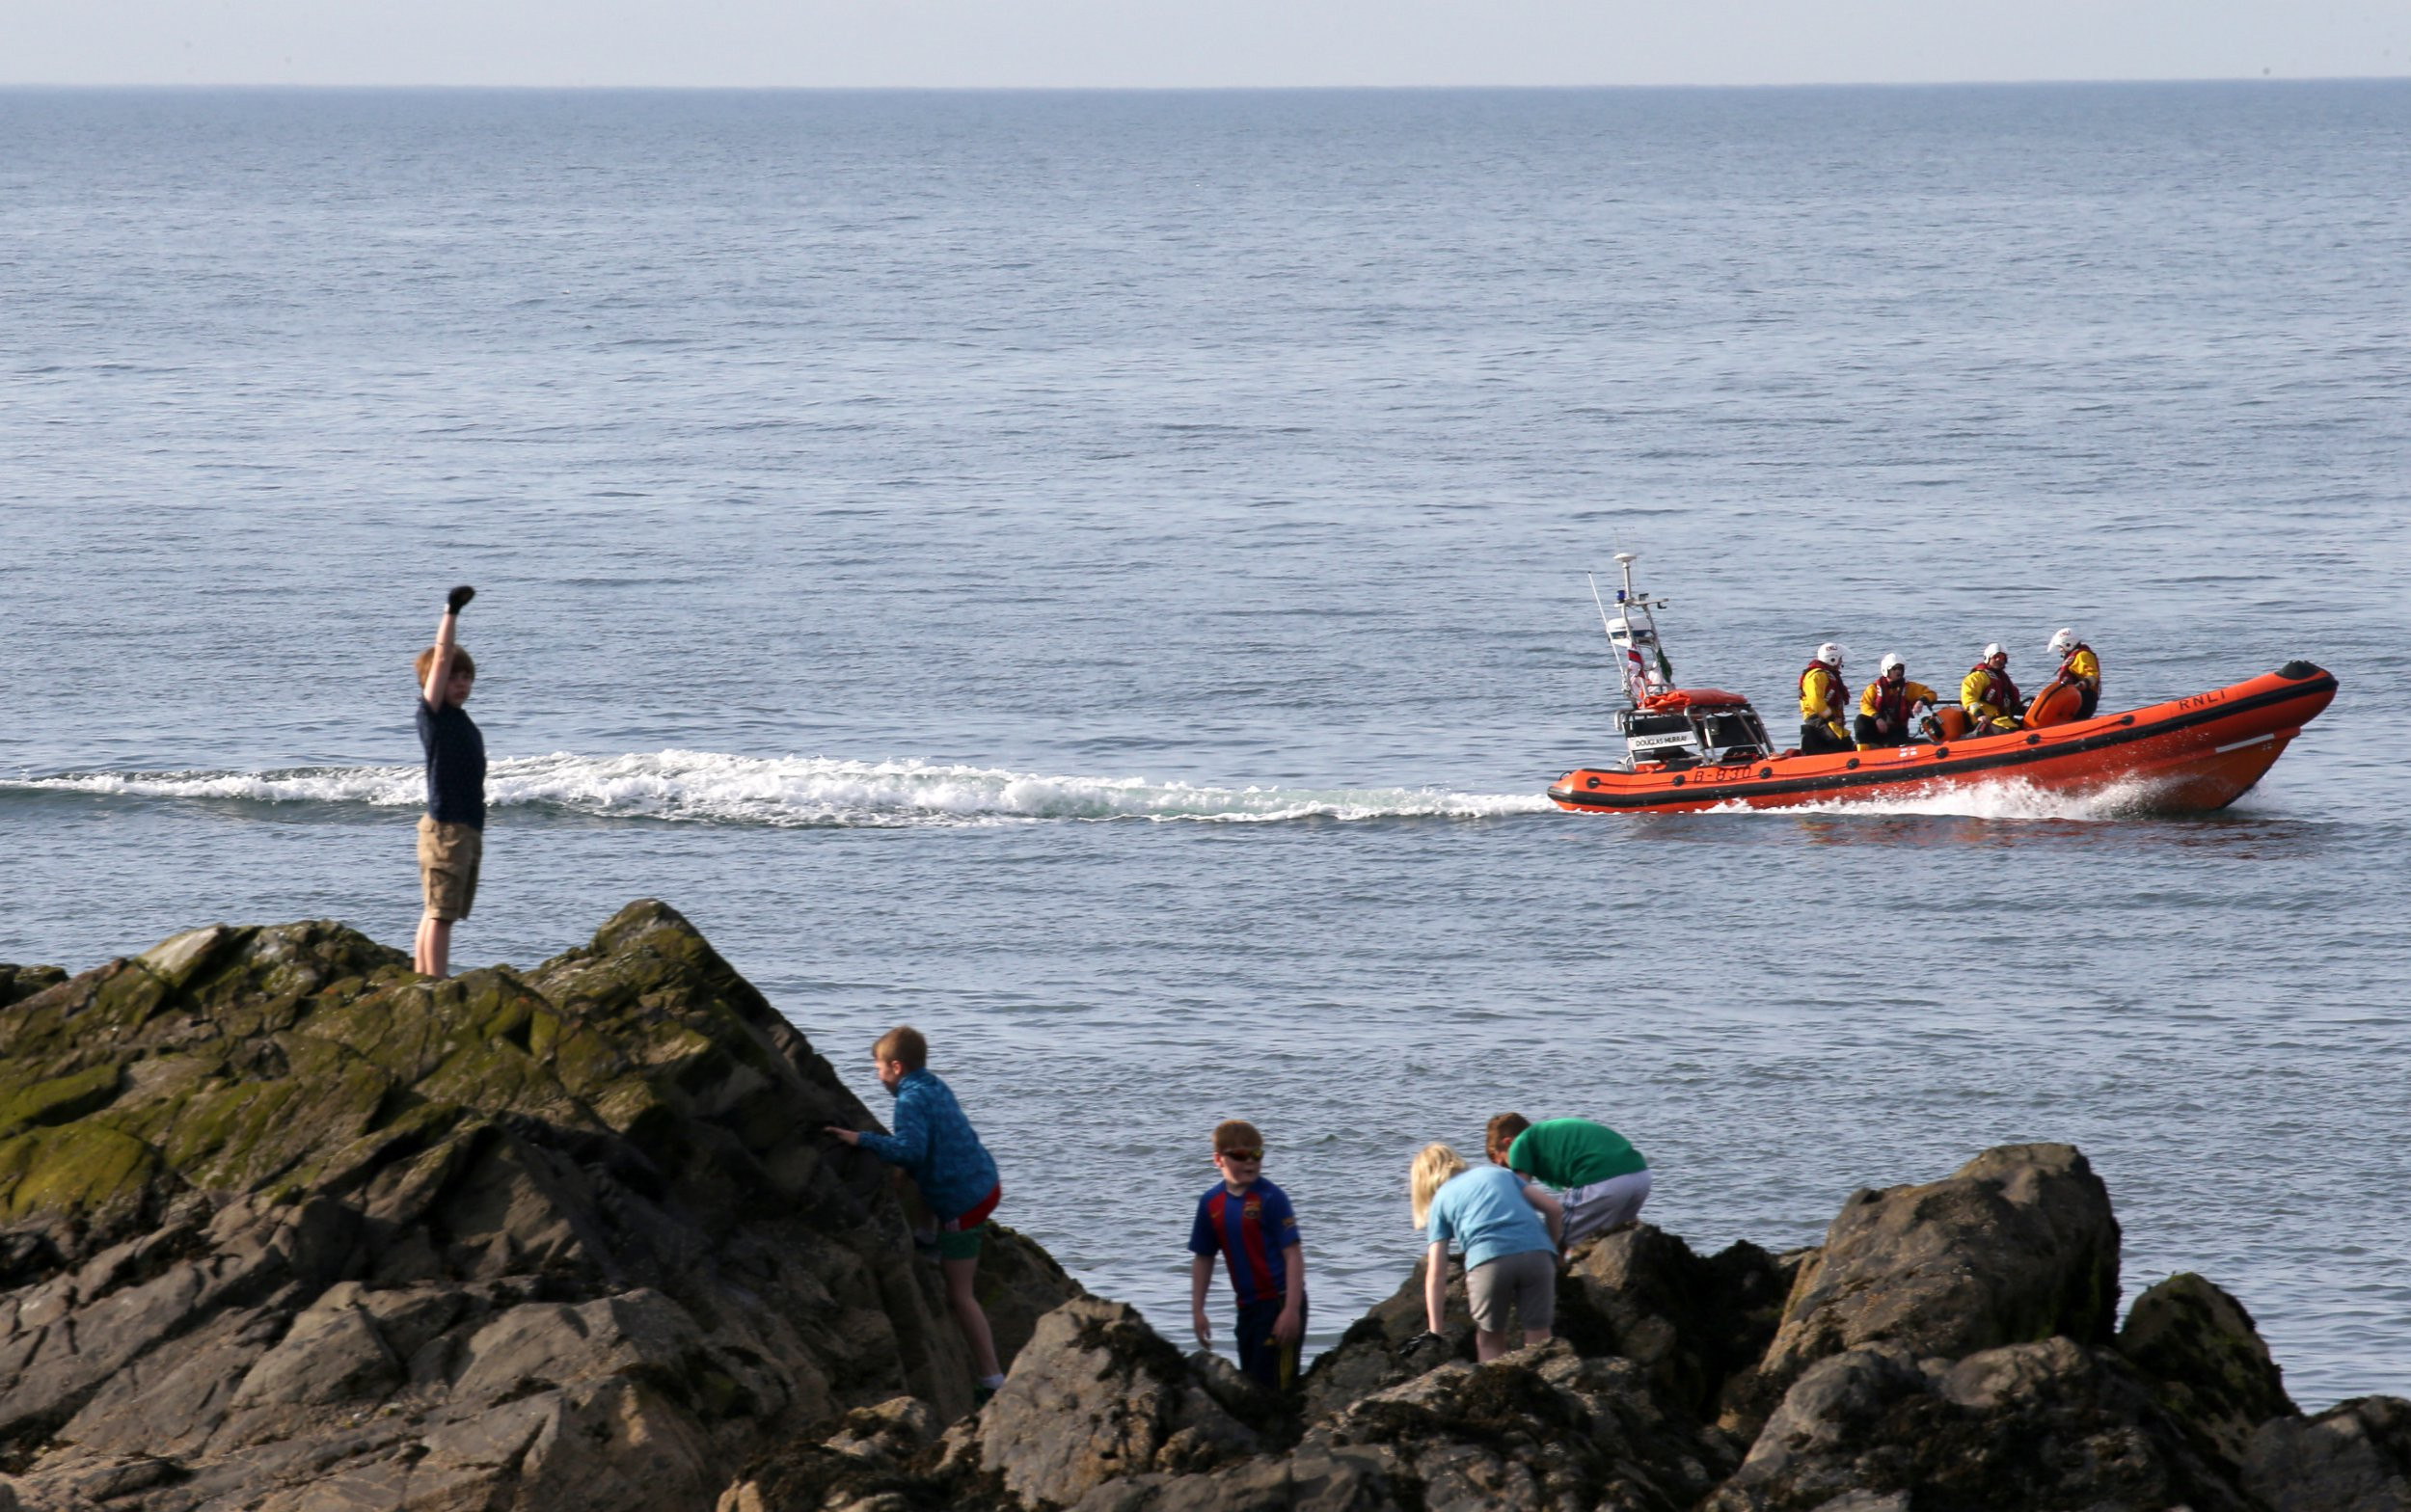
x=1732, y=729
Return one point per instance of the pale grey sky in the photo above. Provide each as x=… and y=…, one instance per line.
x=1159, y=43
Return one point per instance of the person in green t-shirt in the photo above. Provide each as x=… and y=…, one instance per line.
x=1600, y=1177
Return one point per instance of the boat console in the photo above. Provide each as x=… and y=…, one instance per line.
x=1683, y=729
x=1668, y=728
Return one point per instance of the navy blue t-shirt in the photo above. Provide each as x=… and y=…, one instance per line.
x=456, y=765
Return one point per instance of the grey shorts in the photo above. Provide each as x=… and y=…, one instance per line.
x=1525, y=1285
x=1604, y=1204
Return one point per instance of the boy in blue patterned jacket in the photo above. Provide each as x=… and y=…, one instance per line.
x=935, y=1146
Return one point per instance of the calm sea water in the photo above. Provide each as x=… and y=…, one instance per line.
x=1099, y=578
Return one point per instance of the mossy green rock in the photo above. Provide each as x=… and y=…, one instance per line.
x=2202, y=1353
x=22, y=981
x=283, y=1224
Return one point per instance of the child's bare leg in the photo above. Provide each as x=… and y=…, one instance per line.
x=1536, y=1336
x=435, y=947
x=970, y=1316
x=1489, y=1344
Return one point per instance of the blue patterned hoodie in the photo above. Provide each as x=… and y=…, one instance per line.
x=935, y=1145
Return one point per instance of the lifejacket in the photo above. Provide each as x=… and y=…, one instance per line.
x=2000, y=693
x=1891, y=702
x=1838, y=696
x=2067, y=673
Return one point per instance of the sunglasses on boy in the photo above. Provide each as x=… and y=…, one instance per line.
x=1243, y=1154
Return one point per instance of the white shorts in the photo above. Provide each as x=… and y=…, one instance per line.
x=1603, y=1204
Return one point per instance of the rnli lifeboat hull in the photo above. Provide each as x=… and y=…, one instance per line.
x=2189, y=755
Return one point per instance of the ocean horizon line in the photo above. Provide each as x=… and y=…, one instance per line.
x=1765, y=87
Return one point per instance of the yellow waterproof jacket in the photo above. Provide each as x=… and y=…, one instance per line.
x=1982, y=695
x=2083, y=667
x=1822, y=697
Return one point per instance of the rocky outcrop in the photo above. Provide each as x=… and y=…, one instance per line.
x=2048, y=1424
x=282, y=1227
x=23, y=982
x=2354, y=1457
x=2017, y=1245
x=2211, y=1370
x=1948, y=1348
x=283, y=1224
x=1639, y=1293
x=1099, y=1395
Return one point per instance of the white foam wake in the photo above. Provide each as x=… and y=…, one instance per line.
x=801, y=792
x=2007, y=799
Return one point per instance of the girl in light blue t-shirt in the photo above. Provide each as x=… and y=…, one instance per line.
x=1508, y=1231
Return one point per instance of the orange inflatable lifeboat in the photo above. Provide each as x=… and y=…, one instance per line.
x=1688, y=750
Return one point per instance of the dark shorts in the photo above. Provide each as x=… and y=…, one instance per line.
x=1269, y=1363
x=959, y=1237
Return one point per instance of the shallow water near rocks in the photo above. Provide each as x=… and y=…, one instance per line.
x=1098, y=576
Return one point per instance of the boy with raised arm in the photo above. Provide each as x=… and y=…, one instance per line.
x=1250, y=1222
x=451, y=833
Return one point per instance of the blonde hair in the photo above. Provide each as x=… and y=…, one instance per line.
x=1433, y=1167
x=904, y=1043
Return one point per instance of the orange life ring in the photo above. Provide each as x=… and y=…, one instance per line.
x=1674, y=699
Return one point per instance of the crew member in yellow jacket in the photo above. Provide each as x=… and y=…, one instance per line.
x=1990, y=698
x=1889, y=709
x=1824, y=704
x=2079, y=668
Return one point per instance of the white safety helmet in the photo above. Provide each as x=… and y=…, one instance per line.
x=2063, y=642
x=1891, y=663
x=1830, y=655
x=1995, y=649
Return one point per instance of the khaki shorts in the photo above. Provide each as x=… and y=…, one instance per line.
x=449, y=856
x=1524, y=1284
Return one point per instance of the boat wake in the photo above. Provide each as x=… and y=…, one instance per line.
x=2004, y=799
x=705, y=787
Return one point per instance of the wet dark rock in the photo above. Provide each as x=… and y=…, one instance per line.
x=1691, y=1323
x=2354, y=1457
x=2048, y=1424
x=2201, y=1351
x=1097, y=1395
x=2017, y=1245
x=283, y=1224
x=1305, y=1481
x=18, y=983
x=1541, y=1427
x=1372, y=1355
